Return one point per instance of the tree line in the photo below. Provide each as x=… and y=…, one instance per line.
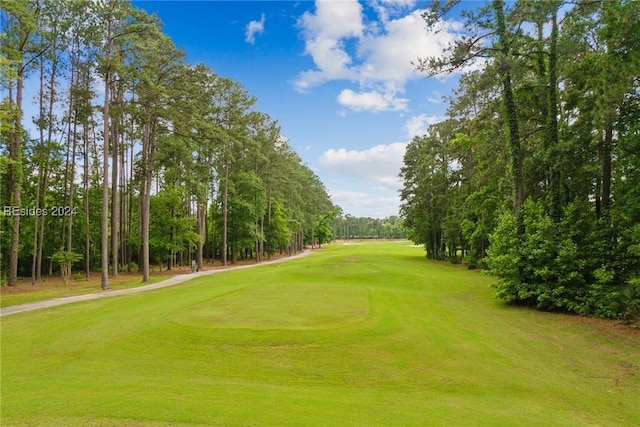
x=135, y=156
x=350, y=227
x=535, y=173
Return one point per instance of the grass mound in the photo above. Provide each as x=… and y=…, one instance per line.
x=281, y=306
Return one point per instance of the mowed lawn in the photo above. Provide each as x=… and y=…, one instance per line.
x=368, y=334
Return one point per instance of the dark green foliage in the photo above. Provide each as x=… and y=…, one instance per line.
x=277, y=232
x=171, y=228
x=566, y=266
x=556, y=213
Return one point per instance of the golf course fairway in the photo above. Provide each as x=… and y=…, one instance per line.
x=361, y=334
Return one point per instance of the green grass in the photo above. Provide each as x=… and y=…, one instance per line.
x=353, y=335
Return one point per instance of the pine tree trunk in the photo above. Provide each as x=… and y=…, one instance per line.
x=15, y=176
x=71, y=169
x=104, y=247
x=85, y=178
x=145, y=197
x=36, y=219
x=552, y=122
x=122, y=208
x=224, y=215
x=72, y=174
x=510, y=115
x=201, y=208
x=607, y=144
x=130, y=208
x=115, y=208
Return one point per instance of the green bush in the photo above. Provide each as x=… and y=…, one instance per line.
x=629, y=301
x=503, y=259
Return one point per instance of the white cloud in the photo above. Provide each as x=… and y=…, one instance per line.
x=365, y=204
x=325, y=33
x=372, y=101
x=375, y=54
x=380, y=164
x=387, y=57
x=333, y=20
x=387, y=8
x=253, y=28
x=418, y=125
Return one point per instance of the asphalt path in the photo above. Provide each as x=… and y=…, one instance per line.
x=5, y=311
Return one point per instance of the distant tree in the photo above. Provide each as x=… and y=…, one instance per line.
x=170, y=228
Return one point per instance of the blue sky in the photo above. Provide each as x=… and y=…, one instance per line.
x=336, y=75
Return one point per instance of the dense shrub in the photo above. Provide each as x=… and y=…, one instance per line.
x=565, y=266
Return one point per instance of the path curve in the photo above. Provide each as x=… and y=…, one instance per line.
x=5, y=311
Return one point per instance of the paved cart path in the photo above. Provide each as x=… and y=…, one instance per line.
x=5, y=311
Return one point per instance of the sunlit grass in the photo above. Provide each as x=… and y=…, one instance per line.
x=367, y=335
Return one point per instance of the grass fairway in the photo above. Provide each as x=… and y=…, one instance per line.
x=367, y=335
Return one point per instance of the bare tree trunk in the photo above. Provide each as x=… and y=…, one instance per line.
x=269, y=204
x=104, y=247
x=148, y=149
x=115, y=209
x=15, y=174
x=140, y=209
x=145, y=190
x=87, y=237
x=36, y=219
x=114, y=198
x=172, y=238
x=313, y=237
x=70, y=171
x=72, y=174
x=224, y=214
x=261, y=246
x=124, y=206
x=130, y=207
x=606, y=166
x=201, y=210
x=45, y=174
